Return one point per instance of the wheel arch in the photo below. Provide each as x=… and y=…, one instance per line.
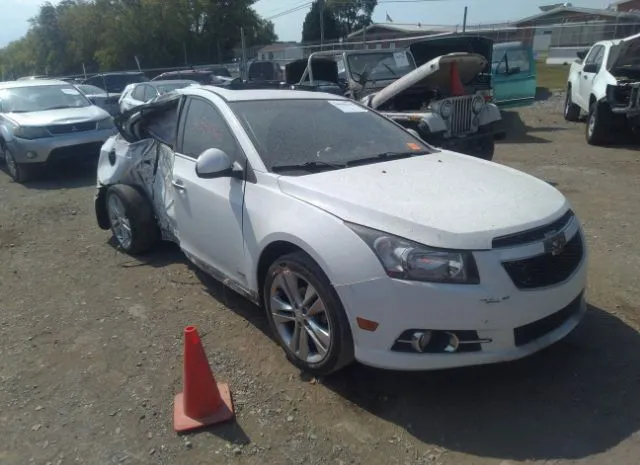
x=277, y=247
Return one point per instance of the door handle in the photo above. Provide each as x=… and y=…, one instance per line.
x=178, y=185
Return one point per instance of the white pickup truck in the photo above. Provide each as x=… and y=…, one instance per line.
x=605, y=84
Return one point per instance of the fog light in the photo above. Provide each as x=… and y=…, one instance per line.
x=31, y=155
x=454, y=343
x=420, y=340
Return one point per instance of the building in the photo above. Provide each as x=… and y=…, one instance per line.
x=628, y=6
x=280, y=51
x=569, y=26
x=387, y=32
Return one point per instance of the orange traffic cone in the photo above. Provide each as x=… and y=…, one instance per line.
x=457, y=88
x=203, y=402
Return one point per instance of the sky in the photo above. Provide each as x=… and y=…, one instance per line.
x=14, y=14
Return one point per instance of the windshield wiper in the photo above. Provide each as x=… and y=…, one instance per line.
x=309, y=166
x=385, y=156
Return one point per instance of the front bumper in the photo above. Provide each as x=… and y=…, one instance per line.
x=80, y=145
x=511, y=322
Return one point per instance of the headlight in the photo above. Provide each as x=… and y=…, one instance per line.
x=106, y=123
x=31, y=132
x=478, y=104
x=403, y=259
x=446, y=108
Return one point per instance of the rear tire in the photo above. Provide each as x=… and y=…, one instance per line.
x=571, y=110
x=131, y=219
x=306, y=315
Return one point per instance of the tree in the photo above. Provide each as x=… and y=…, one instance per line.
x=311, y=25
x=352, y=14
x=161, y=33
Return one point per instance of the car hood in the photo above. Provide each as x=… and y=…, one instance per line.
x=625, y=52
x=62, y=116
x=435, y=72
x=445, y=200
x=433, y=47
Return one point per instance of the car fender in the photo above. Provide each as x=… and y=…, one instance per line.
x=600, y=83
x=489, y=114
x=6, y=134
x=434, y=122
x=272, y=216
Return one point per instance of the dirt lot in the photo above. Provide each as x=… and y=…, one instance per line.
x=90, y=346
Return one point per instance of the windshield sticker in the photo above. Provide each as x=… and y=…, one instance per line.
x=413, y=146
x=70, y=91
x=347, y=107
x=401, y=59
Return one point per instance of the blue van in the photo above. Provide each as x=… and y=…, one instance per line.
x=514, y=77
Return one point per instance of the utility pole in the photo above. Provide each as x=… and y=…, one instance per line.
x=321, y=8
x=184, y=49
x=243, y=72
x=464, y=21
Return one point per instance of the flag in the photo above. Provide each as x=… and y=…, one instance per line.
x=389, y=20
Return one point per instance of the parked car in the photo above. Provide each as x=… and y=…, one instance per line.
x=136, y=94
x=514, y=75
x=446, y=99
x=44, y=121
x=361, y=241
x=115, y=83
x=605, y=84
x=29, y=78
x=100, y=98
x=200, y=76
x=218, y=70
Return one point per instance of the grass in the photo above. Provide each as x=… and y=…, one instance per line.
x=552, y=76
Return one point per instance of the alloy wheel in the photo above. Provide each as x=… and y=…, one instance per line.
x=119, y=221
x=300, y=316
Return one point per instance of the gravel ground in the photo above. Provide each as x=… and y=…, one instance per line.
x=91, y=346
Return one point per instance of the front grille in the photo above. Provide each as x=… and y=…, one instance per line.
x=83, y=151
x=532, y=235
x=70, y=128
x=462, y=115
x=528, y=333
x=546, y=269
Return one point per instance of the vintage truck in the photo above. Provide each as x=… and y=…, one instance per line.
x=604, y=83
x=439, y=87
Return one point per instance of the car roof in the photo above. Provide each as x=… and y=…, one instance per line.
x=260, y=94
x=32, y=83
x=120, y=73
x=164, y=82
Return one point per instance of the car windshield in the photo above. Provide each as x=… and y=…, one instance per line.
x=41, y=98
x=385, y=65
x=87, y=89
x=115, y=83
x=321, y=133
x=164, y=88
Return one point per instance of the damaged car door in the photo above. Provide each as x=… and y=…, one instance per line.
x=208, y=185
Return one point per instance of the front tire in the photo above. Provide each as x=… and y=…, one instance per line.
x=571, y=110
x=131, y=219
x=306, y=315
x=597, y=130
x=19, y=172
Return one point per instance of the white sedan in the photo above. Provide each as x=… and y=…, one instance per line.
x=360, y=241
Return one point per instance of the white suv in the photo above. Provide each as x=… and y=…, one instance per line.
x=361, y=241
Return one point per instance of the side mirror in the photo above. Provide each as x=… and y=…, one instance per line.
x=581, y=54
x=214, y=163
